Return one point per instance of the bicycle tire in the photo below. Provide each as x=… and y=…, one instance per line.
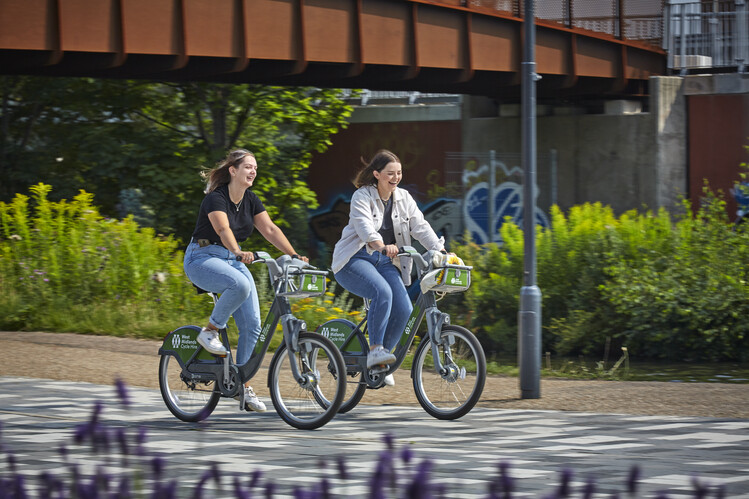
x=454, y=395
x=301, y=405
x=350, y=402
x=189, y=402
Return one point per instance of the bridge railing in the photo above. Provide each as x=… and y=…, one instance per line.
x=707, y=35
x=640, y=20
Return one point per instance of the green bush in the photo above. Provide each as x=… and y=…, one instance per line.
x=665, y=287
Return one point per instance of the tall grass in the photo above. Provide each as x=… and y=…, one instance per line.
x=65, y=268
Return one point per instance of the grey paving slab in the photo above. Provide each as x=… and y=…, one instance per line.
x=41, y=416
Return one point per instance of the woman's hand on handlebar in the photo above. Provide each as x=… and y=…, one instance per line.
x=245, y=256
x=390, y=250
x=300, y=257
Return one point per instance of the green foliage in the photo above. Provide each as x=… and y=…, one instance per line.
x=66, y=268
x=672, y=288
x=139, y=146
x=63, y=265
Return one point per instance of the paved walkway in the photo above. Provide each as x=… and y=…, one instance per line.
x=40, y=416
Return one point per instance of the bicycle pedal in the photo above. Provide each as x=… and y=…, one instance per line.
x=378, y=369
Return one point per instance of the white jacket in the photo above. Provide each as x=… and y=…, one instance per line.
x=365, y=219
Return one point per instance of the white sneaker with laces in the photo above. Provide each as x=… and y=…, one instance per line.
x=208, y=339
x=379, y=356
x=251, y=401
x=389, y=380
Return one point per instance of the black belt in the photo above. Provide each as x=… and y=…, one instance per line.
x=205, y=242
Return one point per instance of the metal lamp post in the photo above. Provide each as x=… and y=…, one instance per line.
x=529, y=315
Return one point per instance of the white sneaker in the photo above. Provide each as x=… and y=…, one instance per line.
x=251, y=402
x=389, y=380
x=379, y=356
x=208, y=339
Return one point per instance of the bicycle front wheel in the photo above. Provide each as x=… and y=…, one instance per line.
x=451, y=394
x=188, y=400
x=311, y=402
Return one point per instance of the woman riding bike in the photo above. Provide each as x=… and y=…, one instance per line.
x=382, y=218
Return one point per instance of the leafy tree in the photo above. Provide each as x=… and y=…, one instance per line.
x=135, y=142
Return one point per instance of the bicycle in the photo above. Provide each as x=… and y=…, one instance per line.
x=449, y=365
x=303, y=371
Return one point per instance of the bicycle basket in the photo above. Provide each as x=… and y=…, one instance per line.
x=304, y=284
x=452, y=278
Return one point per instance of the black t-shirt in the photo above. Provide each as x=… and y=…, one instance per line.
x=386, y=230
x=241, y=219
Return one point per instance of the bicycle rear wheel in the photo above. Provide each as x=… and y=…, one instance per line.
x=355, y=389
x=312, y=402
x=188, y=400
x=452, y=394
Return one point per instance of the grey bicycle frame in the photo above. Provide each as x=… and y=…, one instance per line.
x=425, y=306
x=280, y=311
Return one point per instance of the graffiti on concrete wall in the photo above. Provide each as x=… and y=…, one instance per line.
x=492, y=196
x=479, y=194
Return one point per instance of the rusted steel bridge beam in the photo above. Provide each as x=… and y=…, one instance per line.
x=376, y=44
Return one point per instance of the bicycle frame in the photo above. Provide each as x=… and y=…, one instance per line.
x=198, y=365
x=355, y=356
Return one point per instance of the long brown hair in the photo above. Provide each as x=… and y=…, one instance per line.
x=380, y=160
x=219, y=174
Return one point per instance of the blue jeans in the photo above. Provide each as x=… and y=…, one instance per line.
x=376, y=278
x=215, y=269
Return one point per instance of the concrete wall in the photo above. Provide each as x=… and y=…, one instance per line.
x=625, y=159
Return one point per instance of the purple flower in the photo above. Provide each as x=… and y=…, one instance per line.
x=700, y=490
x=389, y=440
x=632, y=479
x=564, y=484
x=124, y=489
x=342, y=471
x=140, y=441
x=96, y=413
x=239, y=491
x=407, y=454
x=157, y=466
x=589, y=489
x=325, y=491
x=419, y=487
x=505, y=480
x=168, y=491
x=12, y=463
x=255, y=478
x=122, y=392
x=19, y=488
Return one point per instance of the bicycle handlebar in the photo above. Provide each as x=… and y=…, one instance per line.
x=421, y=262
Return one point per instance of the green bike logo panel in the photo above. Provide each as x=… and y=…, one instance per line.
x=338, y=331
x=183, y=342
x=312, y=284
x=457, y=278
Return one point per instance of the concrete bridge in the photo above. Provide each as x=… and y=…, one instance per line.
x=432, y=46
